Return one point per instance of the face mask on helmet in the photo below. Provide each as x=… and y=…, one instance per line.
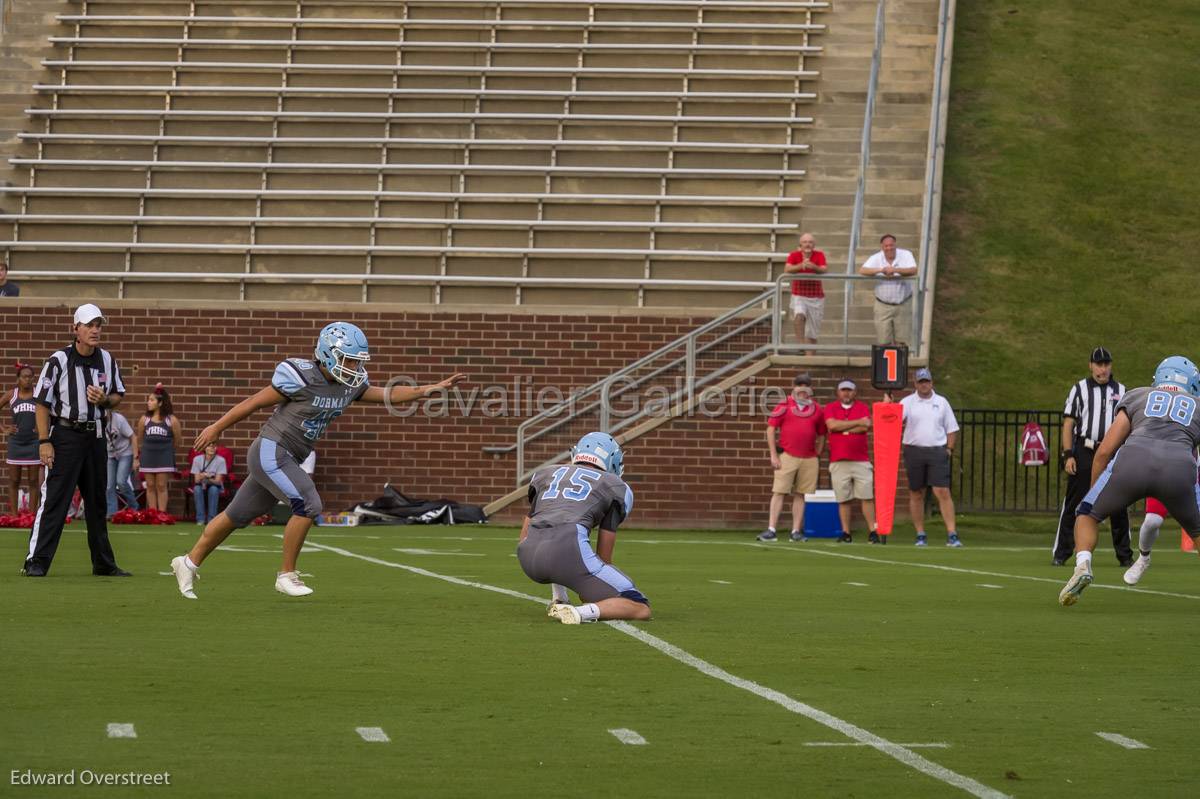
x=342, y=350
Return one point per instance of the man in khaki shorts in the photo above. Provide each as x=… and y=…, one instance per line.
x=848, y=421
x=800, y=423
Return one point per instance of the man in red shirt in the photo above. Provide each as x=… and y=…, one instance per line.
x=801, y=426
x=848, y=421
x=808, y=297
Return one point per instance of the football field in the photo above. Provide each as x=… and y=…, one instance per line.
x=424, y=665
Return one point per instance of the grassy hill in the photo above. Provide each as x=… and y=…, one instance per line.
x=1072, y=168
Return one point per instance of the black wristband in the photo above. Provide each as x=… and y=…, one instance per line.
x=1066, y=453
x=43, y=441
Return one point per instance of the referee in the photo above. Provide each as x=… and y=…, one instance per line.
x=78, y=383
x=1091, y=405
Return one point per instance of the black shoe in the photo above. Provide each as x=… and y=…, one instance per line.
x=1126, y=563
x=1057, y=562
x=33, y=570
x=845, y=538
x=883, y=539
x=116, y=571
x=873, y=537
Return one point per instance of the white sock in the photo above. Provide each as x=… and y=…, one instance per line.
x=1083, y=560
x=559, y=594
x=187, y=561
x=589, y=612
x=1151, y=526
x=770, y=529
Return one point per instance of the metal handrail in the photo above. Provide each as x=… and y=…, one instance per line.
x=523, y=437
x=504, y=450
x=692, y=381
x=864, y=159
x=935, y=156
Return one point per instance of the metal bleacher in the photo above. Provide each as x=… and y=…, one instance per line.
x=434, y=151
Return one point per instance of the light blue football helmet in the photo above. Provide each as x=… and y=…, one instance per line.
x=342, y=350
x=601, y=450
x=1178, y=371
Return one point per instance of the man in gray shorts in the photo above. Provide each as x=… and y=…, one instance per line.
x=565, y=503
x=1156, y=430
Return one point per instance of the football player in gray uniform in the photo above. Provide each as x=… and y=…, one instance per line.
x=565, y=503
x=1156, y=430
x=307, y=396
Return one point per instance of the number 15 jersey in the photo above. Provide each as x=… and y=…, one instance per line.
x=1158, y=415
x=564, y=496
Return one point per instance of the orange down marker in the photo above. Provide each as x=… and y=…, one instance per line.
x=886, y=419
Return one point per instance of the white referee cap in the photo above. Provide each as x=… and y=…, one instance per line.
x=87, y=312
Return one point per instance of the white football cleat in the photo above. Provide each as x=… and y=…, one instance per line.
x=1080, y=580
x=290, y=583
x=567, y=614
x=184, y=576
x=554, y=603
x=1135, y=572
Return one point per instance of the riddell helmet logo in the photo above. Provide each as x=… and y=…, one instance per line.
x=587, y=457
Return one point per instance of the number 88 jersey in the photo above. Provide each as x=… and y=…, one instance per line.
x=578, y=494
x=1158, y=414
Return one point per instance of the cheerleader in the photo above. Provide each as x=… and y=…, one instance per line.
x=156, y=437
x=23, y=440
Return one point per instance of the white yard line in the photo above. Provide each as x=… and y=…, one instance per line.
x=628, y=737
x=373, y=734
x=721, y=582
x=860, y=585
x=121, y=731
x=1121, y=740
x=978, y=572
x=987, y=585
x=453, y=552
x=852, y=731
x=932, y=745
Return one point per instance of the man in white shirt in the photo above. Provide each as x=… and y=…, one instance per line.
x=893, y=295
x=930, y=432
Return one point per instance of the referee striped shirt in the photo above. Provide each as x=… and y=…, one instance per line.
x=1093, y=405
x=62, y=385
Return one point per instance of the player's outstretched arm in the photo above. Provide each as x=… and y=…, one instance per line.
x=263, y=399
x=1118, y=431
x=401, y=394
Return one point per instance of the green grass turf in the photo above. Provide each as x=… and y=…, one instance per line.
x=249, y=693
x=1068, y=220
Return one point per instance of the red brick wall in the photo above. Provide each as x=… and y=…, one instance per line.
x=695, y=471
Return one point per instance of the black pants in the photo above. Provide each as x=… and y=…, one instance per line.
x=1077, y=488
x=79, y=459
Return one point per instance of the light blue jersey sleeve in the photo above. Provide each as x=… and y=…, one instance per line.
x=287, y=380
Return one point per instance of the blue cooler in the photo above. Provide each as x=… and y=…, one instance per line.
x=821, y=515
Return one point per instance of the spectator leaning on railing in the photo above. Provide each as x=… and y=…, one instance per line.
x=808, y=296
x=893, y=295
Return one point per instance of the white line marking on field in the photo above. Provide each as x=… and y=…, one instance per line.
x=373, y=734
x=121, y=731
x=860, y=585
x=1121, y=740
x=932, y=745
x=456, y=552
x=167, y=574
x=852, y=731
x=306, y=550
x=721, y=582
x=987, y=585
x=629, y=737
x=960, y=570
